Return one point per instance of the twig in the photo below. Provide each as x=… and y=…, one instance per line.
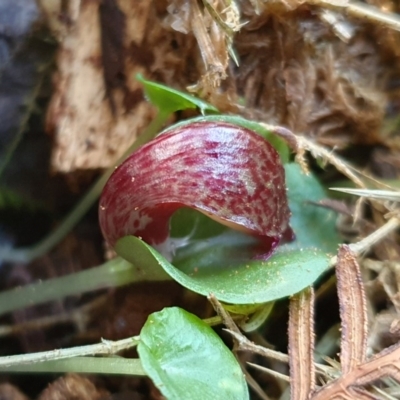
x=376, y=236
x=270, y=372
x=106, y=347
x=225, y=317
x=319, y=151
x=300, y=143
x=389, y=195
x=361, y=10
x=384, y=364
x=246, y=345
x=228, y=321
x=77, y=316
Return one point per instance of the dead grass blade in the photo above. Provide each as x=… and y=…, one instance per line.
x=353, y=310
x=361, y=394
x=363, y=11
x=372, y=193
x=301, y=344
x=300, y=144
x=213, y=49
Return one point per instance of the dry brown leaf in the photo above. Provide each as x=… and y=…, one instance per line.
x=301, y=344
x=70, y=387
x=356, y=372
x=212, y=44
x=331, y=92
x=10, y=392
x=353, y=310
x=95, y=116
x=384, y=364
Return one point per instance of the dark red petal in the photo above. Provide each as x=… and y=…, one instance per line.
x=222, y=170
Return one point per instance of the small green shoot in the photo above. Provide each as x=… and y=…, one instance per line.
x=169, y=100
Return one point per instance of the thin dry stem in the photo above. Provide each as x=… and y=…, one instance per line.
x=328, y=156
x=270, y=372
x=300, y=143
x=385, y=363
x=365, y=244
x=246, y=345
x=361, y=10
x=79, y=316
x=215, y=69
x=106, y=347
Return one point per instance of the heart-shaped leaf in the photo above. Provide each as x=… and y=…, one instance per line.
x=313, y=226
x=220, y=268
x=186, y=359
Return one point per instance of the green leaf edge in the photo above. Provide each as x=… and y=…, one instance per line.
x=278, y=289
x=177, y=100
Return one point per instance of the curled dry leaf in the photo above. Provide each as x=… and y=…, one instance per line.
x=73, y=386
x=353, y=310
x=354, y=326
x=301, y=344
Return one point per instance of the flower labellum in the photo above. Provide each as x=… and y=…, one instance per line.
x=225, y=171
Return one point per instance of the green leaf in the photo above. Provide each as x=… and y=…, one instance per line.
x=169, y=100
x=193, y=223
x=186, y=359
x=219, y=266
x=314, y=226
x=11, y=200
x=279, y=144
